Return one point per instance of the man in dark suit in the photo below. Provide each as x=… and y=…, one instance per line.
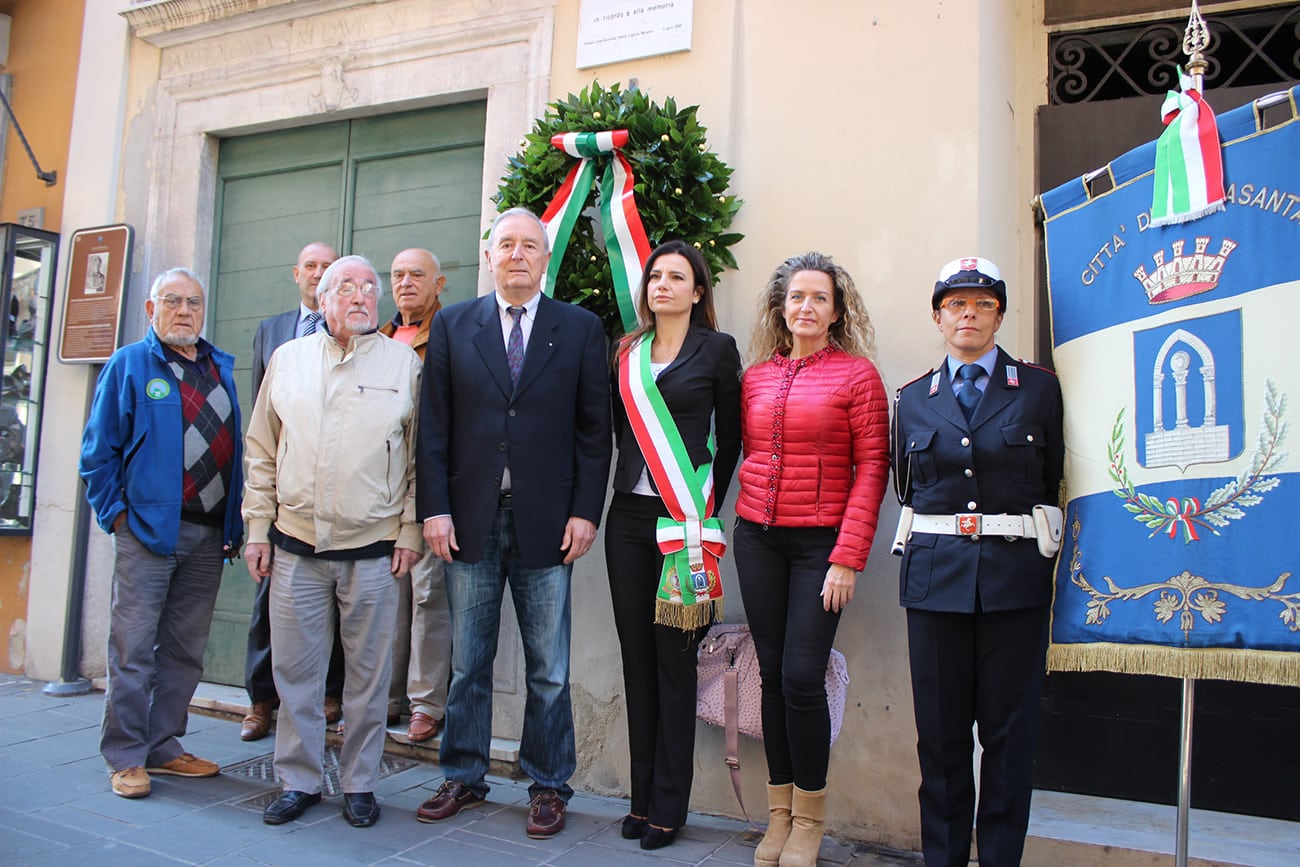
x=313, y=259
x=977, y=448
x=511, y=478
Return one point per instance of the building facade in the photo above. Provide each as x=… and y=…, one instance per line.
x=892, y=135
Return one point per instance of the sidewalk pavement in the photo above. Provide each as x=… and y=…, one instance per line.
x=56, y=807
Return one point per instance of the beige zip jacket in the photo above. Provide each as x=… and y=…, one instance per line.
x=330, y=449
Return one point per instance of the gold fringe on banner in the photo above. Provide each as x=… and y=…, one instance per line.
x=1253, y=666
x=688, y=617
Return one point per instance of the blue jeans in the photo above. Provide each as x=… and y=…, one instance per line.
x=541, y=597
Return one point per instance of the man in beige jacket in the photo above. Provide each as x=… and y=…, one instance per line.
x=330, y=506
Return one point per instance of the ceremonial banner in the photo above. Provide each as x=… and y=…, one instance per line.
x=1177, y=352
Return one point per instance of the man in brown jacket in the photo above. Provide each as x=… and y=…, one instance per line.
x=422, y=638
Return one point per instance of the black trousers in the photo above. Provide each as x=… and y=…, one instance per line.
x=782, y=570
x=257, y=664
x=659, y=665
x=984, y=668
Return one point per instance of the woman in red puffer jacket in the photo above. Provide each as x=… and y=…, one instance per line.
x=815, y=429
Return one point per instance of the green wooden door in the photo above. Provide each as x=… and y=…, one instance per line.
x=373, y=186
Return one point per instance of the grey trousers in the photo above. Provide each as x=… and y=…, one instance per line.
x=422, y=640
x=157, y=630
x=305, y=591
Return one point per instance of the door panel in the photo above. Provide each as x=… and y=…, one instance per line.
x=372, y=186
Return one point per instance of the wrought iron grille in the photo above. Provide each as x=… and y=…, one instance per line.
x=1260, y=46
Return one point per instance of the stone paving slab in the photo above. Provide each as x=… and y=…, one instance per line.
x=56, y=808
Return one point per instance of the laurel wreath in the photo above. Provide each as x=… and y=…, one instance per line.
x=1223, y=505
x=681, y=186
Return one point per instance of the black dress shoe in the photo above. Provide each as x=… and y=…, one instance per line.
x=360, y=809
x=657, y=838
x=289, y=806
x=634, y=827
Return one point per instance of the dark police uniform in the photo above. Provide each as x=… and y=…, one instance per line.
x=977, y=605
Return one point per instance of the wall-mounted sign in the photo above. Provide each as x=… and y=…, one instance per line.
x=613, y=30
x=92, y=305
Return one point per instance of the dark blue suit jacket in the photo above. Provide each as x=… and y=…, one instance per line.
x=271, y=332
x=552, y=430
x=1006, y=460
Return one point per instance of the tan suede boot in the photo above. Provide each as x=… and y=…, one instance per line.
x=809, y=820
x=768, y=853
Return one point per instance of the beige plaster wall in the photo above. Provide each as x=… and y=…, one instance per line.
x=894, y=136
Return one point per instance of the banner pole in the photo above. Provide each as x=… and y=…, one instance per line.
x=1185, y=771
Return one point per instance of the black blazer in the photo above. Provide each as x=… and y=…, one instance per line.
x=702, y=389
x=1007, y=459
x=271, y=332
x=552, y=429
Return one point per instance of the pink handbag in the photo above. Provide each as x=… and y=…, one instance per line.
x=729, y=691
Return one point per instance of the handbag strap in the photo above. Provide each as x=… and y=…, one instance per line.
x=731, y=704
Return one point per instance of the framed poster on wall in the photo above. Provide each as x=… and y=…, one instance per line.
x=98, y=262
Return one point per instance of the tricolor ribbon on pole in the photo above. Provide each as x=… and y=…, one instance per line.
x=690, y=585
x=1189, y=159
x=625, y=238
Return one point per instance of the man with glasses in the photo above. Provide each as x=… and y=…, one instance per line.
x=302, y=321
x=161, y=460
x=977, y=454
x=330, y=506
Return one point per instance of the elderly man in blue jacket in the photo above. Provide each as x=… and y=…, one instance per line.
x=161, y=458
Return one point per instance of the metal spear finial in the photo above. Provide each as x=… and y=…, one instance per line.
x=1196, y=38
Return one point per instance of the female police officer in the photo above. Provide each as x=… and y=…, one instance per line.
x=977, y=457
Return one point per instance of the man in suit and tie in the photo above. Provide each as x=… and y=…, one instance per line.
x=313, y=259
x=512, y=471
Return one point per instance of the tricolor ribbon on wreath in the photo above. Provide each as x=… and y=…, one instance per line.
x=625, y=238
x=690, y=586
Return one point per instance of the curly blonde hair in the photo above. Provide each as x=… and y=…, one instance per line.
x=852, y=332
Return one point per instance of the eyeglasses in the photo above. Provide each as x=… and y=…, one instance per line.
x=173, y=302
x=347, y=289
x=959, y=305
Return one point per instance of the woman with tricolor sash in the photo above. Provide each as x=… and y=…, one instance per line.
x=815, y=427
x=676, y=390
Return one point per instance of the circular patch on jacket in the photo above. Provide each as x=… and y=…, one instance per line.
x=157, y=388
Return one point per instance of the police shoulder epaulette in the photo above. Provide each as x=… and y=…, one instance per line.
x=915, y=381
x=1029, y=363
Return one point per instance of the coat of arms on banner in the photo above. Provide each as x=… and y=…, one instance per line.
x=1176, y=348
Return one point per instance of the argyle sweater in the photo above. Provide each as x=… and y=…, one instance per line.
x=208, y=433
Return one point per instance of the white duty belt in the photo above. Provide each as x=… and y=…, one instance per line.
x=976, y=524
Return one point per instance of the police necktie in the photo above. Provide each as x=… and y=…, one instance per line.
x=968, y=395
x=515, y=345
x=310, y=324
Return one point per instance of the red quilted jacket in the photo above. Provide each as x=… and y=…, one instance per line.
x=816, y=440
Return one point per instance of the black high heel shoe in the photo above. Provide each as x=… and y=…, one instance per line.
x=634, y=827
x=657, y=838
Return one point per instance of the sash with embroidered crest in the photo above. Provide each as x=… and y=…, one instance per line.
x=690, y=586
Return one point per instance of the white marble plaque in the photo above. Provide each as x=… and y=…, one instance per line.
x=613, y=30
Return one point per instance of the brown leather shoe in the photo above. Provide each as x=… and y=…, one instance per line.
x=333, y=709
x=257, y=722
x=187, y=765
x=545, y=815
x=450, y=799
x=130, y=782
x=423, y=727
